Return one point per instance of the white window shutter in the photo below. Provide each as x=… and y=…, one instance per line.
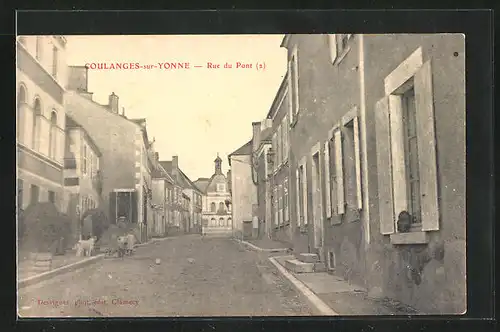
x=328, y=205
x=290, y=94
x=427, y=148
x=297, y=195
x=357, y=159
x=384, y=167
x=304, y=197
x=332, y=42
x=397, y=134
x=339, y=168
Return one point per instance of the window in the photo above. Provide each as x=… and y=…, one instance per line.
x=411, y=155
x=21, y=101
x=275, y=206
x=55, y=61
x=408, y=145
x=52, y=196
x=293, y=76
x=221, y=207
x=339, y=172
x=34, y=194
x=303, y=192
x=53, y=135
x=221, y=222
x=275, y=151
x=39, y=48
x=221, y=187
x=284, y=127
x=229, y=222
x=285, y=201
x=20, y=192
x=328, y=187
x=37, y=113
x=339, y=46
x=280, y=204
x=84, y=156
x=212, y=207
x=279, y=142
x=352, y=169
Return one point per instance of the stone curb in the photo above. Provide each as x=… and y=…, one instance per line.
x=314, y=301
x=60, y=270
x=72, y=267
x=254, y=247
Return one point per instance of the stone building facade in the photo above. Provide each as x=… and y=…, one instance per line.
x=126, y=161
x=40, y=84
x=377, y=159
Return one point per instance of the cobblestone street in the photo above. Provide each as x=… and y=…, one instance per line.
x=196, y=277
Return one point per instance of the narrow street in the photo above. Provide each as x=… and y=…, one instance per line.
x=196, y=277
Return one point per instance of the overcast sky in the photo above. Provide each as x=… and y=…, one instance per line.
x=193, y=113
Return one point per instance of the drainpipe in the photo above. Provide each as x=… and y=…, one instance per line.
x=364, y=177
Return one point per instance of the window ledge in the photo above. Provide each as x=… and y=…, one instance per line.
x=342, y=55
x=410, y=238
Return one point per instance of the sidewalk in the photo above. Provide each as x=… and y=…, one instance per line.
x=61, y=264
x=342, y=297
x=264, y=245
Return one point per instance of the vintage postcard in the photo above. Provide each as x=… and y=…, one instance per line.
x=241, y=175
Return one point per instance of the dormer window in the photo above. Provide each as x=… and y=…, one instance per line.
x=221, y=187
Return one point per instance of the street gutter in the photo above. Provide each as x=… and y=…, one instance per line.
x=314, y=301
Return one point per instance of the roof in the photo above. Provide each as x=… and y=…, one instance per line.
x=202, y=184
x=279, y=96
x=245, y=149
x=182, y=179
x=159, y=173
x=71, y=123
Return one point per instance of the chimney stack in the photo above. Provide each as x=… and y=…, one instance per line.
x=123, y=111
x=78, y=79
x=175, y=162
x=113, y=103
x=255, y=135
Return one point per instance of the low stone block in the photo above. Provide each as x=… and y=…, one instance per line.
x=297, y=266
x=308, y=258
x=319, y=267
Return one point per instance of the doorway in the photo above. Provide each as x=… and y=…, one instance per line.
x=317, y=203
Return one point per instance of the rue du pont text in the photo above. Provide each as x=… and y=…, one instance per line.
x=175, y=65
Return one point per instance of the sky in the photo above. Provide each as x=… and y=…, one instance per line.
x=192, y=113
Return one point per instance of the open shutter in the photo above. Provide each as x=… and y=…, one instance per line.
x=134, y=206
x=332, y=42
x=336, y=218
x=297, y=195
x=384, y=167
x=328, y=205
x=339, y=168
x=304, y=194
x=426, y=148
x=112, y=207
x=399, y=180
x=357, y=160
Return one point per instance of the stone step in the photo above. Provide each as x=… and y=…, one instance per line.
x=319, y=267
x=297, y=266
x=308, y=258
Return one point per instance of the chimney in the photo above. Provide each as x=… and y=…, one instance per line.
x=78, y=79
x=267, y=123
x=175, y=162
x=255, y=135
x=123, y=112
x=113, y=103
